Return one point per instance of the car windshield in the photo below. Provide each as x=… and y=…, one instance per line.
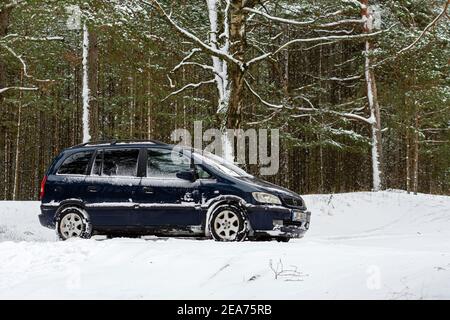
x=220, y=163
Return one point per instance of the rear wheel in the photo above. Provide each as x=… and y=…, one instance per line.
x=73, y=224
x=228, y=223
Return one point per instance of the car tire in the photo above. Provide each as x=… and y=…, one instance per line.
x=283, y=239
x=228, y=222
x=73, y=222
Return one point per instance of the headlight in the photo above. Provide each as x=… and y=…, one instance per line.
x=266, y=198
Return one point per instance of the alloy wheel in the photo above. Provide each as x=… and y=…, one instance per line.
x=226, y=225
x=71, y=226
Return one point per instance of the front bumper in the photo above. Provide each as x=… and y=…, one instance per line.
x=278, y=222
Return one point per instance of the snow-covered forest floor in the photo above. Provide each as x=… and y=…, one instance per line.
x=385, y=245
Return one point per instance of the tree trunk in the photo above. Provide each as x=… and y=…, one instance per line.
x=408, y=161
x=16, y=160
x=93, y=84
x=236, y=74
x=416, y=155
x=6, y=164
x=132, y=107
x=220, y=66
x=376, y=149
x=4, y=24
x=149, y=103
x=85, y=91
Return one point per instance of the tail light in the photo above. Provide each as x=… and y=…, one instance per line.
x=42, y=191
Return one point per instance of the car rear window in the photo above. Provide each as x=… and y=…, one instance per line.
x=121, y=162
x=76, y=164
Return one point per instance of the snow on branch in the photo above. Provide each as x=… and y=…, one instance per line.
x=190, y=85
x=428, y=27
x=187, y=34
x=350, y=78
x=24, y=65
x=187, y=57
x=18, y=88
x=422, y=34
x=341, y=22
x=278, y=19
x=52, y=38
x=271, y=105
x=312, y=108
x=305, y=23
x=14, y=36
x=369, y=120
x=324, y=39
x=192, y=63
x=328, y=38
x=272, y=115
x=184, y=62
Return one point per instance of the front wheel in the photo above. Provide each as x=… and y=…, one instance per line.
x=73, y=223
x=228, y=223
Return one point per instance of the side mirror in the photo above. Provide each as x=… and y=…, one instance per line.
x=187, y=175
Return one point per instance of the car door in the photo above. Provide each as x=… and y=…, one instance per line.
x=163, y=198
x=111, y=186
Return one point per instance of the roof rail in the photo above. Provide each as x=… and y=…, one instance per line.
x=115, y=141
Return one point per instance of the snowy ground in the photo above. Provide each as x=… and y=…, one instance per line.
x=385, y=245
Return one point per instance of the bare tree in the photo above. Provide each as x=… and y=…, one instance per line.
x=229, y=50
x=372, y=98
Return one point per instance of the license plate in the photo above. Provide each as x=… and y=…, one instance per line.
x=301, y=216
x=277, y=222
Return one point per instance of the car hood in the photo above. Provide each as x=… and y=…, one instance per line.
x=269, y=187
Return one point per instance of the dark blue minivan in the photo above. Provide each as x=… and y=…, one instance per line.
x=151, y=188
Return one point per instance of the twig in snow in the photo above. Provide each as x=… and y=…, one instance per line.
x=290, y=274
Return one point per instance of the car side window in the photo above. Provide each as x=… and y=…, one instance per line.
x=97, y=165
x=120, y=162
x=162, y=163
x=76, y=164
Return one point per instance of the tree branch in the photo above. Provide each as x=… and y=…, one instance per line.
x=190, y=85
x=271, y=105
x=18, y=88
x=304, y=23
x=316, y=39
x=215, y=52
x=432, y=23
x=24, y=65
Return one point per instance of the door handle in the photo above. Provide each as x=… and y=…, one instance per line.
x=148, y=190
x=92, y=189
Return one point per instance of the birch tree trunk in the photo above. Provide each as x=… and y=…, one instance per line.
x=93, y=84
x=220, y=66
x=85, y=91
x=376, y=147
